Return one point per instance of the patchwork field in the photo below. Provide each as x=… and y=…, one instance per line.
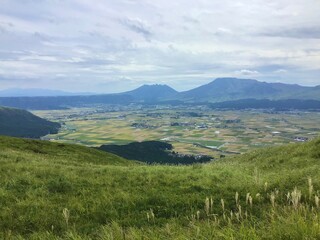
x=195, y=130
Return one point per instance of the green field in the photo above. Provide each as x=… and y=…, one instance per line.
x=191, y=130
x=60, y=191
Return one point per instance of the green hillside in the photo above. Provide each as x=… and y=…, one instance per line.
x=57, y=191
x=153, y=152
x=21, y=123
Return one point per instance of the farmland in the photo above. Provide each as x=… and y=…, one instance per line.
x=190, y=129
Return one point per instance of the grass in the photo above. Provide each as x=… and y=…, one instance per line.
x=60, y=191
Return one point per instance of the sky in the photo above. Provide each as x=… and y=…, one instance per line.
x=108, y=46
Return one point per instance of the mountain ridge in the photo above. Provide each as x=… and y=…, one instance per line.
x=218, y=90
x=224, y=89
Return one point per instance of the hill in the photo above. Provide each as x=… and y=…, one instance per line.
x=20, y=123
x=153, y=152
x=223, y=89
x=152, y=93
x=57, y=191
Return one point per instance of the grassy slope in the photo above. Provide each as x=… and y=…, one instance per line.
x=108, y=199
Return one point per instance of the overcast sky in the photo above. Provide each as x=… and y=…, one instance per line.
x=116, y=45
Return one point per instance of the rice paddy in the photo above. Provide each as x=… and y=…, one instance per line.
x=191, y=130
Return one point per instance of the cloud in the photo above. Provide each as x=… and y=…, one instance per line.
x=189, y=19
x=137, y=26
x=247, y=72
x=301, y=32
x=280, y=71
x=5, y=26
x=223, y=31
x=92, y=45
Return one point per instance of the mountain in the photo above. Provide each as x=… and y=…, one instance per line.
x=21, y=123
x=152, y=92
x=60, y=191
x=219, y=90
x=223, y=89
x=37, y=92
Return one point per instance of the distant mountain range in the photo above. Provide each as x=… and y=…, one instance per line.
x=225, y=89
x=63, y=102
x=37, y=92
x=219, y=90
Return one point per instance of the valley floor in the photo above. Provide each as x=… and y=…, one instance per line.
x=190, y=129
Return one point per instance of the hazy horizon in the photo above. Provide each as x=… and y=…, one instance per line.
x=116, y=46
x=18, y=89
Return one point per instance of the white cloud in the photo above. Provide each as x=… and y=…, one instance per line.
x=280, y=71
x=246, y=72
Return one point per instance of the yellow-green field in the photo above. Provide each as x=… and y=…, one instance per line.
x=190, y=129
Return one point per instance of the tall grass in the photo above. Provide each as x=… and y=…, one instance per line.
x=66, y=192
